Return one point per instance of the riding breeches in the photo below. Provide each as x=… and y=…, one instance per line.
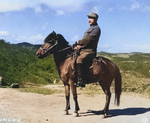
x=85, y=57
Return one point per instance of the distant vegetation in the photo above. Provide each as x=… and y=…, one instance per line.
x=19, y=64
x=138, y=63
x=135, y=70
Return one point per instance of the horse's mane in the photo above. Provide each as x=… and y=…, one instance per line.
x=53, y=35
x=62, y=44
x=62, y=40
x=47, y=39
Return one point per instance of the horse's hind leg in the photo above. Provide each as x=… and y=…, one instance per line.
x=74, y=92
x=67, y=94
x=106, y=90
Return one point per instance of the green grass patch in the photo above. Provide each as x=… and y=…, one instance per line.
x=37, y=88
x=44, y=91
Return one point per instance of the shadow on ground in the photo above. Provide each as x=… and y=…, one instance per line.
x=117, y=112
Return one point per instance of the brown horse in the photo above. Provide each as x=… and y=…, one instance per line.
x=102, y=71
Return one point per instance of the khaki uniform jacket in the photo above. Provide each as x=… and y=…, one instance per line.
x=90, y=39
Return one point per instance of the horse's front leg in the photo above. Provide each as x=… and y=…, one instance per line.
x=67, y=94
x=74, y=92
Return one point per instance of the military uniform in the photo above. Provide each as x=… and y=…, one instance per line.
x=89, y=43
x=88, y=48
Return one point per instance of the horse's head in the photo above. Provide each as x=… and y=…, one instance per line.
x=49, y=45
x=52, y=44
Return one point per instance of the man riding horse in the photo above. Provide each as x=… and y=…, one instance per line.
x=87, y=48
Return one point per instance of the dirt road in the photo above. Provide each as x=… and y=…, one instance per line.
x=20, y=107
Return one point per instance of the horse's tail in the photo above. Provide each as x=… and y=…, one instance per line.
x=118, y=84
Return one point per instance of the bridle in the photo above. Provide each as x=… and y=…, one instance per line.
x=45, y=51
x=50, y=47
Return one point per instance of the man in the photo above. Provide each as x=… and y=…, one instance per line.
x=87, y=47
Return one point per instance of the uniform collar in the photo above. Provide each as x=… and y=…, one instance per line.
x=94, y=24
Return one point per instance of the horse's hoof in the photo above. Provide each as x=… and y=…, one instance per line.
x=65, y=113
x=105, y=115
x=76, y=114
x=102, y=116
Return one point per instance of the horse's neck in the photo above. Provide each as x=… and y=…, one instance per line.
x=60, y=59
x=61, y=55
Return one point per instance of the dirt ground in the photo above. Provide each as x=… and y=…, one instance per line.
x=20, y=107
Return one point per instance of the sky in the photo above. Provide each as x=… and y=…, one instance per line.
x=125, y=24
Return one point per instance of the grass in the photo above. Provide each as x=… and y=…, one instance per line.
x=133, y=82
x=135, y=71
x=34, y=88
x=37, y=88
x=43, y=91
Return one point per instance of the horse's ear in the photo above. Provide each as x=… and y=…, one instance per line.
x=54, y=34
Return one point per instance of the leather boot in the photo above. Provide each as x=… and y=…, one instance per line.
x=80, y=75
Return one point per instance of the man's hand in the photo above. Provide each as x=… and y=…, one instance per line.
x=77, y=47
x=74, y=45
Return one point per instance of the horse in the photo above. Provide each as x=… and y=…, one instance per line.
x=104, y=71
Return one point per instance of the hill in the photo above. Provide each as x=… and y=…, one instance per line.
x=19, y=64
x=26, y=44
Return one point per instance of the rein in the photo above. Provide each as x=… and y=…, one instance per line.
x=65, y=49
x=54, y=46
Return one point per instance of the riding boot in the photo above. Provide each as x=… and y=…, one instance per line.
x=80, y=75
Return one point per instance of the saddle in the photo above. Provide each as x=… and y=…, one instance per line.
x=96, y=66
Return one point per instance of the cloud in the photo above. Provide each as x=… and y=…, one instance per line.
x=111, y=9
x=15, y=5
x=62, y=7
x=22, y=39
x=37, y=39
x=127, y=48
x=147, y=9
x=95, y=9
x=45, y=25
x=38, y=9
x=75, y=38
x=135, y=5
x=4, y=33
x=59, y=6
x=105, y=46
x=140, y=7
x=138, y=48
x=60, y=12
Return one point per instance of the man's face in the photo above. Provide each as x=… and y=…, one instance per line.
x=92, y=20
